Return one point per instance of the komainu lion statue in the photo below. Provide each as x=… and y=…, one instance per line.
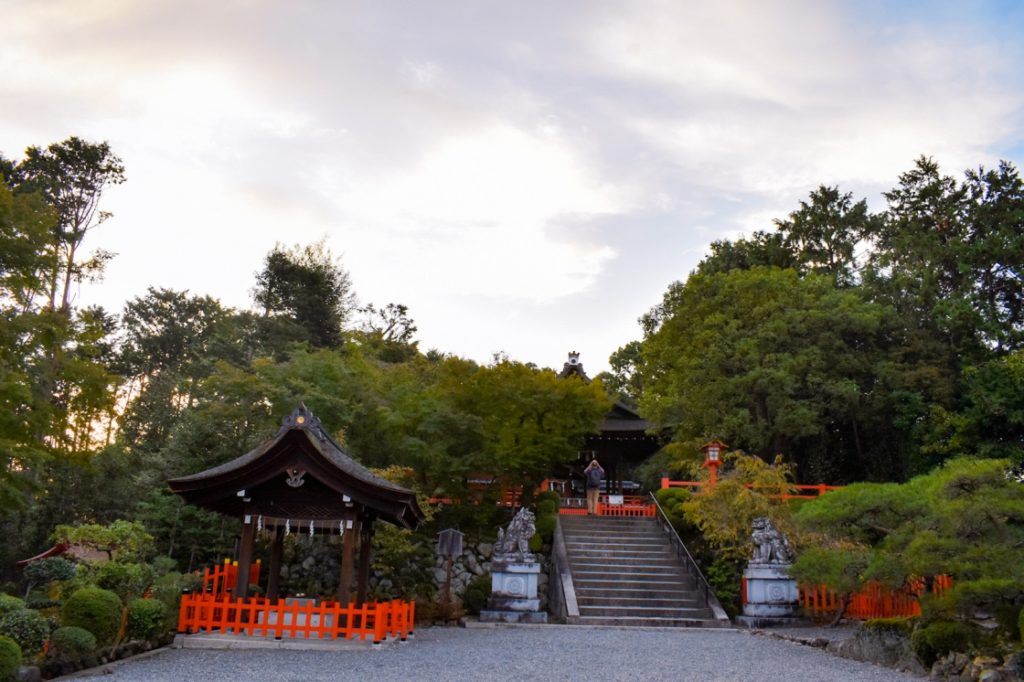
x=770, y=546
x=514, y=542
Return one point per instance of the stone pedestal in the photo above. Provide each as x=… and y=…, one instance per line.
x=772, y=597
x=514, y=593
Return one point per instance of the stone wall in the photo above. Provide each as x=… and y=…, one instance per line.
x=312, y=568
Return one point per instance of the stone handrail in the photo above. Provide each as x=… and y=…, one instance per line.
x=561, y=579
x=691, y=564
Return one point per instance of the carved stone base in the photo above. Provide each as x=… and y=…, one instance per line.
x=513, y=593
x=537, y=617
x=771, y=593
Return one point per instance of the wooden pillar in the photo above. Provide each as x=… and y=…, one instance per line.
x=276, y=552
x=348, y=546
x=363, y=580
x=245, y=549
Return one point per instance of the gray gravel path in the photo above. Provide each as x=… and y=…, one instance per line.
x=509, y=653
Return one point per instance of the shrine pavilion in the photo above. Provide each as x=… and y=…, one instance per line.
x=622, y=440
x=302, y=481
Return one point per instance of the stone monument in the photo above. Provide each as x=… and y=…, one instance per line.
x=772, y=597
x=514, y=572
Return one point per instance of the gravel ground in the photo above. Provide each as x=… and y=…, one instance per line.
x=520, y=653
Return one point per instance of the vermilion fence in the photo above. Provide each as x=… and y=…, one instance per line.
x=258, y=617
x=221, y=580
x=632, y=505
x=807, y=492
x=874, y=601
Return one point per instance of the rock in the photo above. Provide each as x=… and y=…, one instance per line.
x=880, y=646
x=981, y=664
x=951, y=667
x=991, y=675
x=440, y=575
x=308, y=563
x=479, y=570
x=485, y=549
x=471, y=563
x=29, y=673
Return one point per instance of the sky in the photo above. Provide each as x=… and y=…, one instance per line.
x=527, y=177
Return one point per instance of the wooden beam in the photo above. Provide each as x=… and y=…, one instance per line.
x=245, y=550
x=276, y=552
x=366, y=544
x=348, y=545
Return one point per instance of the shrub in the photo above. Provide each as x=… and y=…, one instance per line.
x=546, y=508
x=9, y=603
x=49, y=569
x=28, y=628
x=476, y=594
x=71, y=643
x=545, y=525
x=549, y=496
x=145, y=618
x=127, y=580
x=932, y=641
x=10, y=659
x=96, y=610
x=895, y=624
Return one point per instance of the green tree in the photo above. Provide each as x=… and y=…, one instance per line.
x=824, y=231
x=965, y=519
x=71, y=176
x=773, y=363
x=308, y=286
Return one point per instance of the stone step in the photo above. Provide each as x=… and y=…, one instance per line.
x=632, y=584
x=616, y=539
x=644, y=612
x=621, y=546
x=593, y=551
x=691, y=602
x=614, y=593
x=640, y=621
x=614, y=563
x=581, y=523
x=631, y=573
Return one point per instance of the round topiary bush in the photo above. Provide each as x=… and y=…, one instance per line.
x=546, y=507
x=10, y=658
x=71, y=643
x=476, y=594
x=935, y=640
x=145, y=618
x=28, y=628
x=9, y=603
x=96, y=610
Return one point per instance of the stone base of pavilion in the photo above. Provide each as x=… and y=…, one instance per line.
x=222, y=641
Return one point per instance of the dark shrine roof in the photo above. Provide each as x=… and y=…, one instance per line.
x=301, y=445
x=621, y=418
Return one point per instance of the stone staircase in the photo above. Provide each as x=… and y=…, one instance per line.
x=625, y=571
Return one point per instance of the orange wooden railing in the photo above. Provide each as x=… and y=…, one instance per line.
x=817, y=489
x=221, y=580
x=632, y=505
x=874, y=601
x=260, y=617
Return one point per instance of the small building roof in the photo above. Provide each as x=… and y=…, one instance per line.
x=300, y=473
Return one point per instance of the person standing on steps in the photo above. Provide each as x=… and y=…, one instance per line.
x=593, y=473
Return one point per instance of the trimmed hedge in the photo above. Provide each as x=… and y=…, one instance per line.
x=71, y=643
x=10, y=659
x=96, y=610
x=28, y=628
x=145, y=618
x=9, y=603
